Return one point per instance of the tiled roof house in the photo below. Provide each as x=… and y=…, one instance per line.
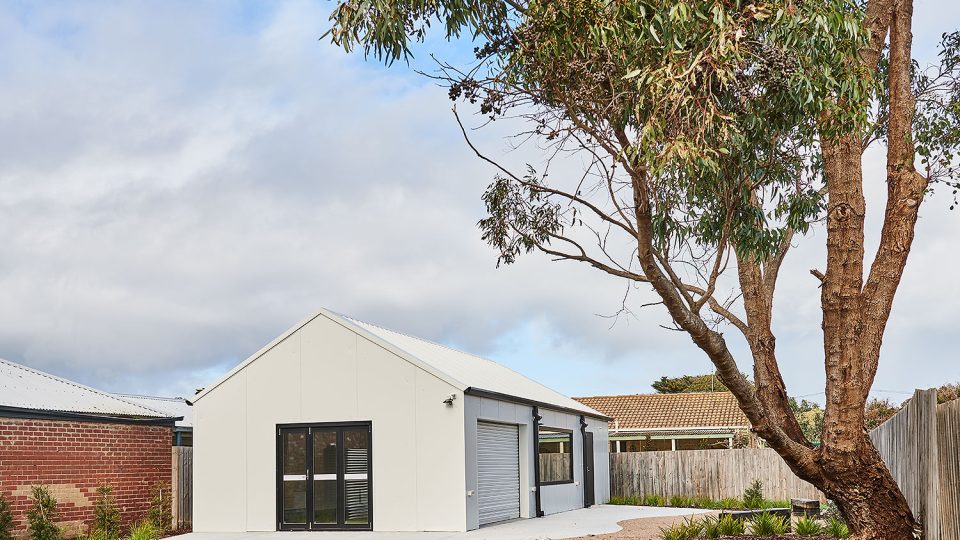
x=690, y=421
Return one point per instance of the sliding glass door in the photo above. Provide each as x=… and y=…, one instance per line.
x=324, y=476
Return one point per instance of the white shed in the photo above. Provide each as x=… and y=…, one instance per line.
x=339, y=424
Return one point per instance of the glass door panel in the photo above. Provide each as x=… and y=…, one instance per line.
x=325, y=477
x=356, y=477
x=294, y=480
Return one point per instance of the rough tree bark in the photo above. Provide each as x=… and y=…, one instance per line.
x=845, y=466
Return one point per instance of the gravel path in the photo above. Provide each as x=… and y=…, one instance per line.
x=640, y=529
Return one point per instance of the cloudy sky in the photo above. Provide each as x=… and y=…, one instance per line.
x=180, y=182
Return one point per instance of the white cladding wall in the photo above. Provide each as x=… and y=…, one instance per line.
x=324, y=372
x=553, y=498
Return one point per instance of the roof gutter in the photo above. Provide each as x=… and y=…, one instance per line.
x=38, y=414
x=479, y=392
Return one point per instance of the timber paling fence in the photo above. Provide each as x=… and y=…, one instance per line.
x=555, y=467
x=713, y=474
x=181, y=504
x=920, y=445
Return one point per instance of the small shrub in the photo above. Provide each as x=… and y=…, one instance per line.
x=106, y=516
x=808, y=527
x=690, y=528
x=145, y=530
x=711, y=527
x=766, y=524
x=730, y=526
x=6, y=520
x=41, y=516
x=96, y=534
x=703, y=502
x=753, y=495
x=674, y=532
x=730, y=504
x=694, y=527
x=774, y=504
x=837, y=528
x=160, y=513
x=653, y=500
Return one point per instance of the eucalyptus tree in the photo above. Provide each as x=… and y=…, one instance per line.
x=711, y=134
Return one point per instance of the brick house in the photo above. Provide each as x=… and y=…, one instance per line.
x=689, y=421
x=74, y=439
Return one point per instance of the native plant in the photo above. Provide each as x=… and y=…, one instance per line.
x=767, y=524
x=690, y=527
x=145, y=530
x=807, y=526
x=106, y=516
x=6, y=519
x=837, y=528
x=753, y=495
x=694, y=142
x=160, y=514
x=727, y=525
x=42, y=515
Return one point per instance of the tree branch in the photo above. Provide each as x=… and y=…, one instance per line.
x=905, y=191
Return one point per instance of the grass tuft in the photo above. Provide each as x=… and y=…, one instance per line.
x=145, y=530
x=767, y=524
x=808, y=527
x=837, y=528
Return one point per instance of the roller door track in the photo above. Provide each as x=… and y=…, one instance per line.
x=498, y=471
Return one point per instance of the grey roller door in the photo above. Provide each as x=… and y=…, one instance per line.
x=498, y=472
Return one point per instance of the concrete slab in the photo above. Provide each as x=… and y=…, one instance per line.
x=598, y=519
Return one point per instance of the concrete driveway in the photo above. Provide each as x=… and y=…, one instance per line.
x=598, y=519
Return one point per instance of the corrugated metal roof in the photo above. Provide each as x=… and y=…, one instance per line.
x=174, y=407
x=470, y=370
x=670, y=411
x=459, y=369
x=26, y=388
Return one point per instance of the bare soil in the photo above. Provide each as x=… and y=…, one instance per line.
x=649, y=529
x=640, y=529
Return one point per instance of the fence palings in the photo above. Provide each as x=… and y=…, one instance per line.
x=713, y=474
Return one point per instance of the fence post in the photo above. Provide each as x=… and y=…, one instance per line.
x=175, y=487
x=948, y=435
x=907, y=442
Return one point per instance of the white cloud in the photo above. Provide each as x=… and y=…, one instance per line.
x=181, y=182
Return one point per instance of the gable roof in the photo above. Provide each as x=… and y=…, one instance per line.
x=176, y=406
x=24, y=389
x=670, y=411
x=467, y=372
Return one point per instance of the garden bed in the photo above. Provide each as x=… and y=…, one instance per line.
x=778, y=537
x=698, y=502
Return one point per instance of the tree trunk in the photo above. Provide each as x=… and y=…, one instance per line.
x=866, y=494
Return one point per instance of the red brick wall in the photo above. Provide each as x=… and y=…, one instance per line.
x=74, y=459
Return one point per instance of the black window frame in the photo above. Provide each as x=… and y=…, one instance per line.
x=569, y=433
x=339, y=427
